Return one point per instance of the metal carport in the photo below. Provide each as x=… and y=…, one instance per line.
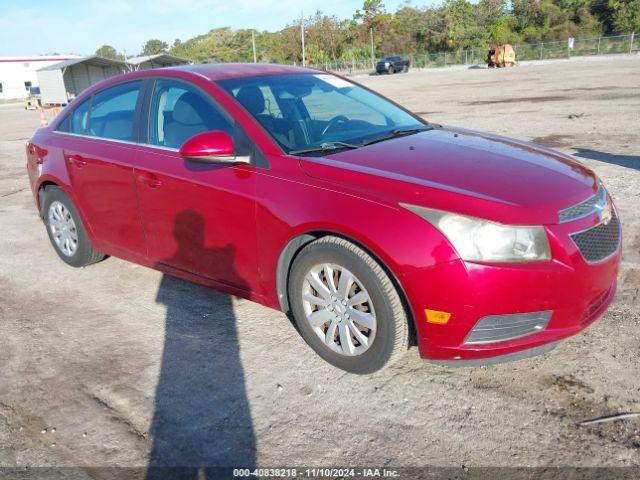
x=154, y=61
x=61, y=82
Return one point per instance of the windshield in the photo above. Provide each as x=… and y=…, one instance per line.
x=310, y=111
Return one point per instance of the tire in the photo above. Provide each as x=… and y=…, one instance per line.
x=383, y=309
x=57, y=205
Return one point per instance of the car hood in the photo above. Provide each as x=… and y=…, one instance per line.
x=469, y=172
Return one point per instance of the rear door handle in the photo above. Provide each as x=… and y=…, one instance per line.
x=149, y=179
x=77, y=160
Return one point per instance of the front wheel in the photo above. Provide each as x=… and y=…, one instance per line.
x=346, y=307
x=66, y=231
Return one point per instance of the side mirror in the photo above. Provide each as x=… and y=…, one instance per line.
x=211, y=147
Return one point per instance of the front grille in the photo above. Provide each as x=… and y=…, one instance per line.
x=498, y=328
x=599, y=242
x=582, y=209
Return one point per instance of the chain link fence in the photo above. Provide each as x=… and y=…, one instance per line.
x=524, y=52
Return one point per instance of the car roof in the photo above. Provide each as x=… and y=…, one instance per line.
x=221, y=71
x=210, y=71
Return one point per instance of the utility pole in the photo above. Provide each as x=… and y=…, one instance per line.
x=304, y=58
x=253, y=41
x=373, y=58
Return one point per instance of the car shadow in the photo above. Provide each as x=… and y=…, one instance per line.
x=629, y=161
x=202, y=417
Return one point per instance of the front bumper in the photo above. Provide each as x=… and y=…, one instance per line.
x=508, y=357
x=575, y=291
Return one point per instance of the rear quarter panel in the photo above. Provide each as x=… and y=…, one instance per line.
x=46, y=165
x=46, y=150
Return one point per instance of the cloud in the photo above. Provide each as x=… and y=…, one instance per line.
x=254, y=7
x=66, y=26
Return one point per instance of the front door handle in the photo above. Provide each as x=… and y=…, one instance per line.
x=149, y=179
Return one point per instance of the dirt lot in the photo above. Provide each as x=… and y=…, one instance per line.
x=116, y=365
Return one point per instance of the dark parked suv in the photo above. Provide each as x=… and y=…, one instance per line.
x=393, y=64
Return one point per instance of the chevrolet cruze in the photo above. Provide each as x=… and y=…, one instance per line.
x=301, y=190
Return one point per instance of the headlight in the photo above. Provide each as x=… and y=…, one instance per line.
x=483, y=241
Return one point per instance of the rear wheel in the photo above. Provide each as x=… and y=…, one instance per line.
x=66, y=231
x=346, y=307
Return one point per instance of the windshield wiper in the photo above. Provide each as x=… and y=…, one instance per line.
x=325, y=147
x=332, y=146
x=398, y=132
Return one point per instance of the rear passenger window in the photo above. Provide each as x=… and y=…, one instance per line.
x=65, y=124
x=113, y=112
x=76, y=121
x=180, y=111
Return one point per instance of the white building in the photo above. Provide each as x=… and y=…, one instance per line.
x=18, y=74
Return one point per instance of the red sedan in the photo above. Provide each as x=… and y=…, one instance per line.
x=306, y=192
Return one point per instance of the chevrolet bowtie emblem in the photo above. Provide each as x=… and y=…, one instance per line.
x=604, y=212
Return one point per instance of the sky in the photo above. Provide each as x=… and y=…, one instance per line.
x=63, y=26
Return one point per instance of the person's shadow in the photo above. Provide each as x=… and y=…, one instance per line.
x=202, y=417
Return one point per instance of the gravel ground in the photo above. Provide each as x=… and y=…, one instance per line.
x=118, y=365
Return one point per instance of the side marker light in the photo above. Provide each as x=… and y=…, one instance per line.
x=436, y=316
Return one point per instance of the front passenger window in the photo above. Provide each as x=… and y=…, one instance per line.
x=179, y=111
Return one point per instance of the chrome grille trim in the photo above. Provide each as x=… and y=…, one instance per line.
x=601, y=242
x=498, y=328
x=584, y=208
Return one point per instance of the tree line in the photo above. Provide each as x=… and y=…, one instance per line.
x=451, y=26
